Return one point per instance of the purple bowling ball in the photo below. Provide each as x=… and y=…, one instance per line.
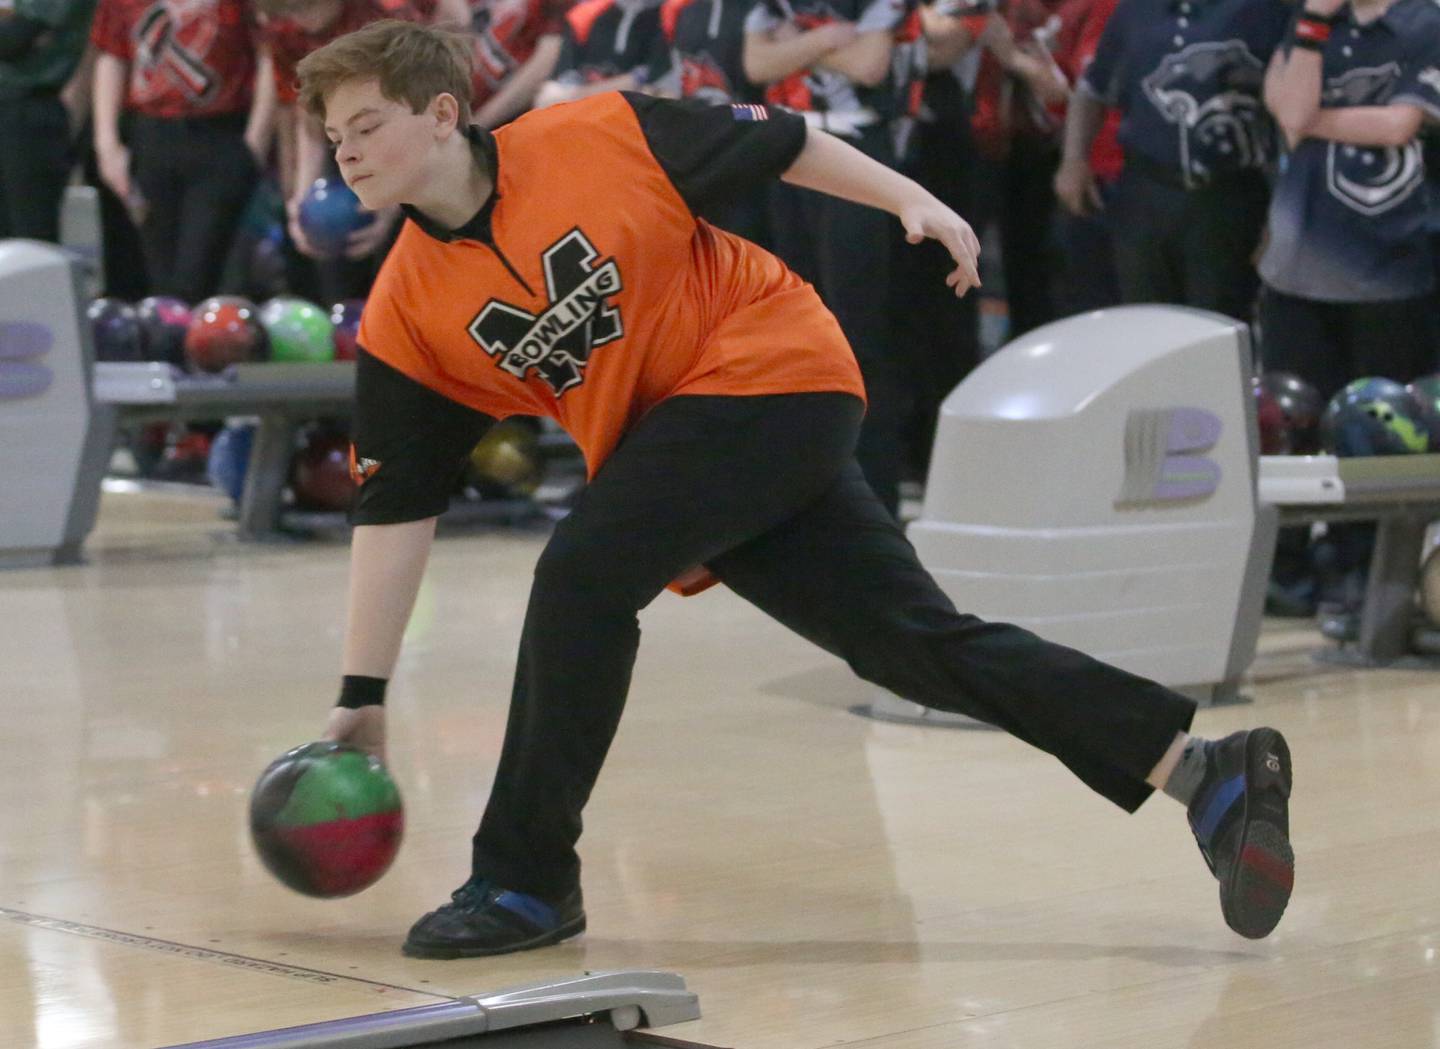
x=115, y=329
x=345, y=316
x=329, y=212
x=163, y=321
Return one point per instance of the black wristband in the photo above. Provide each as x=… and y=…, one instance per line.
x=1311, y=16
x=1308, y=45
x=357, y=691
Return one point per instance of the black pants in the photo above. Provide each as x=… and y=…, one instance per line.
x=801, y=536
x=1017, y=194
x=845, y=250
x=1188, y=247
x=937, y=335
x=1087, y=279
x=1331, y=343
x=35, y=161
x=196, y=175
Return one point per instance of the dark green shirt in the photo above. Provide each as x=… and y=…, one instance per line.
x=54, y=55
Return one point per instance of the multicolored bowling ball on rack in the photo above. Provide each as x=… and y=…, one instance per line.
x=224, y=330
x=329, y=212
x=345, y=321
x=320, y=473
x=1426, y=391
x=299, y=332
x=164, y=320
x=326, y=819
x=1374, y=416
x=115, y=330
x=1301, y=406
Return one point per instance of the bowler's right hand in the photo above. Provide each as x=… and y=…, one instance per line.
x=362, y=727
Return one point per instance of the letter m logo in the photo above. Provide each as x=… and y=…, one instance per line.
x=557, y=343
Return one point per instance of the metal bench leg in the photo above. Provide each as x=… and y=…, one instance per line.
x=1390, y=591
x=265, y=479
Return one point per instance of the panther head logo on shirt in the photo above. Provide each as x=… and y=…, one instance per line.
x=1212, y=92
x=556, y=344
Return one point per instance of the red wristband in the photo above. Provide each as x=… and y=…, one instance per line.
x=1312, y=30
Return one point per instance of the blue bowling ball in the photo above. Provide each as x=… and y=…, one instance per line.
x=329, y=213
x=230, y=459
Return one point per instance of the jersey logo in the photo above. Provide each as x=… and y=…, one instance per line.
x=170, y=50
x=361, y=468
x=1370, y=180
x=556, y=345
x=1211, y=91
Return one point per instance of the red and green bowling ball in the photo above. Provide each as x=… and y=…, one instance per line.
x=326, y=819
x=299, y=332
x=224, y=330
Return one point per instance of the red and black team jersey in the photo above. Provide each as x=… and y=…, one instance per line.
x=289, y=41
x=506, y=32
x=705, y=41
x=606, y=38
x=586, y=300
x=188, y=58
x=826, y=91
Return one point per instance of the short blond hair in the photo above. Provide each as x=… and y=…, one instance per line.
x=413, y=64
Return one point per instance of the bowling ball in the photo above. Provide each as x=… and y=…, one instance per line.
x=1427, y=392
x=164, y=320
x=345, y=318
x=326, y=819
x=329, y=212
x=507, y=460
x=298, y=331
x=229, y=459
x=115, y=331
x=320, y=473
x=1301, y=405
x=1274, y=435
x=224, y=330
x=1374, y=417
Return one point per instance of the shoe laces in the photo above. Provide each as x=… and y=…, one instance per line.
x=472, y=895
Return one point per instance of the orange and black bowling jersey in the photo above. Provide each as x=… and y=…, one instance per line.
x=587, y=290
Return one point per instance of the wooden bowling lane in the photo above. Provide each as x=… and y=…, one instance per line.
x=819, y=879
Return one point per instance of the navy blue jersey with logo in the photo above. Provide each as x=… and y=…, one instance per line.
x=1187, y=76
x=608, y=38
x=1349, y=223
x=824, y=90
x=702, y=51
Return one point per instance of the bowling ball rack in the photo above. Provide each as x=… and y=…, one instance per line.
x=284, y=398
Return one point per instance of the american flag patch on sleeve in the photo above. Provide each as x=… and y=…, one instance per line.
x=747, y=111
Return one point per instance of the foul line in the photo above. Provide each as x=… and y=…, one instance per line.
x=204, y=954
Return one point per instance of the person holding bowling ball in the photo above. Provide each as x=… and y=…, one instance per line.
x=718, y=406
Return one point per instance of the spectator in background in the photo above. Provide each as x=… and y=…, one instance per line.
x=202, y=128
x=1348, y=269
x=1187, y=213
x=608, y=45
x=832, y=62
x=701, y=57
x=290, y=30
x=1020, y=96
x=1087, y=279
x=41, y=43
x=517, y=48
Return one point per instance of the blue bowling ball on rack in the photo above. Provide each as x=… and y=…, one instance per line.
x=329, y=212
x=230, y=459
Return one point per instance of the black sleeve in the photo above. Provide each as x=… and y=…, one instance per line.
x=410, y=445
x=567, y=66
x=713, y=154
x=17, y=33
